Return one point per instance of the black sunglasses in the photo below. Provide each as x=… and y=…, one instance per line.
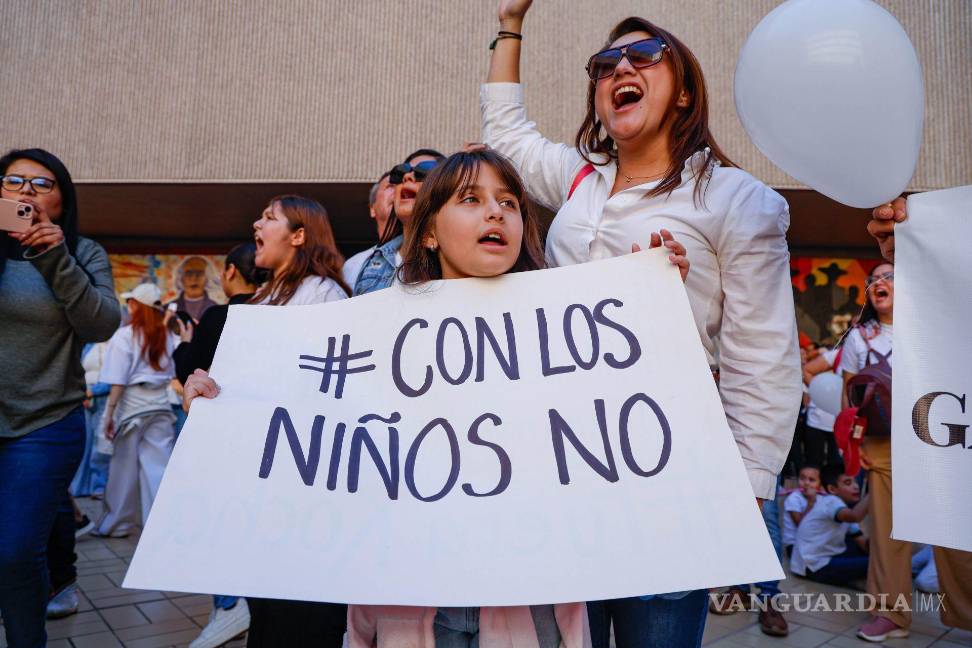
x=641, y=54
x=420, y=171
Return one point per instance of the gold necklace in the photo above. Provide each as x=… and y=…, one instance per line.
x=628, y=179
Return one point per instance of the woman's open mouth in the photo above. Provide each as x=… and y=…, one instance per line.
x=407, y=194
x=881, y=293
x=626, y=96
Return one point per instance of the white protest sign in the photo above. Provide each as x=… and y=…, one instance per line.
x=931, y=446
x=544, y=437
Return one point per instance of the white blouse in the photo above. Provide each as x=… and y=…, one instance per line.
x=739, y=283
x=314, y=290
x=125, y=362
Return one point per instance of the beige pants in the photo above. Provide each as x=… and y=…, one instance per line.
x=889, y=567
x=139, y=459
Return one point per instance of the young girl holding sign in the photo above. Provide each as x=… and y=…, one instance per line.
x=644, y=158
x=295, y=243
x=471, y=219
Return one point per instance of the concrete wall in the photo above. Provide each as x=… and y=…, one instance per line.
x=318, y=90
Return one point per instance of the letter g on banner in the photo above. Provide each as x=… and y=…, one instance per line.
x=919, y=420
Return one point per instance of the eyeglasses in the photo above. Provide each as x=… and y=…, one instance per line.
x=870, y=281
x=420, y=171
x=40, y=185
x=641, y=54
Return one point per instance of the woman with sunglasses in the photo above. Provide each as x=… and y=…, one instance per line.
x=379, y=269
x=56, y=294
x=644, y=159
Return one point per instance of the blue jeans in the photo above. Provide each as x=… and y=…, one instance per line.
x=844, y=568
x=458, y=627
x=92, y=474
x=35, y=471
x=223, y=602
x=655, y=622
x=771, y=518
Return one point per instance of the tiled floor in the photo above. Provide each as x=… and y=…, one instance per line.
x=111, y=616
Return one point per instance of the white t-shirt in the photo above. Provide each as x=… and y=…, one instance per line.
x=816, y=417
x=124, y=362
x=352, y=267
x=820, y=536
x=314, y=290
x=855, y=348
x=797, y=503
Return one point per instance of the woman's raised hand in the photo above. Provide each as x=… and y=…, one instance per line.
x=677, y=256
x=882, y=223
x=198, y=384
x=513, y=11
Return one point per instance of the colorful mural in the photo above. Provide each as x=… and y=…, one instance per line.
x=177, y=275
x=828, y=294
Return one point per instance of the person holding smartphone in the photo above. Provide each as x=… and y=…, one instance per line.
x=56, y=294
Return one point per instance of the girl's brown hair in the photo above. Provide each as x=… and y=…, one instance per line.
x=149, y=332
x=318, y=256
x=455, y=175
x=690, y=125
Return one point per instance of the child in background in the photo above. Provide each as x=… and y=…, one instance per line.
x=795, y=504
x=829, y=545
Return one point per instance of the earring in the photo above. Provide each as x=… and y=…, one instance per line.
x=432, y=248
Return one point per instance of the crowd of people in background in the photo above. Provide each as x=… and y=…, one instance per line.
x=89, y=383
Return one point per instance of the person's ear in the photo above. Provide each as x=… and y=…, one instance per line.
x=832, y=490
x=371, y=211
x=297, y=238
x=230, y=272
x=684, y=99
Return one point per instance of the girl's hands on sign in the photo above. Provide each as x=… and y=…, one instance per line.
x=677, y=256
x=198, y=384
x=43, y=234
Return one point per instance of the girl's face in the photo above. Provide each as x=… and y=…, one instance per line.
x=479, y=232
x=28, y=169
x=276, y=245
x=405, y=193
x=809, y=479
x=632, y=104
x=880, y=288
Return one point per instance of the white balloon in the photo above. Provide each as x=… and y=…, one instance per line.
x=831, y=92
x=825, y=390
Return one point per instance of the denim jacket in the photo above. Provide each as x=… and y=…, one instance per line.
x=378, y=271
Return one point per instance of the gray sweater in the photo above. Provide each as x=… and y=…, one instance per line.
x=50, y=305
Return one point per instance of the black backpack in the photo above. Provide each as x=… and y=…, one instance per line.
x=870, y=392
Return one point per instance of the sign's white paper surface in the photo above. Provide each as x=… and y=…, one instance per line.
x=687, y=521
x=930, y=456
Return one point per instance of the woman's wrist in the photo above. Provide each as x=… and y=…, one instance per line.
x=514, y=25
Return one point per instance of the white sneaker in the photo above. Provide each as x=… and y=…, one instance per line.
x=64, y=603
x=223, y=625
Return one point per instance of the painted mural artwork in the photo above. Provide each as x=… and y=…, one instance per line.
x=828, y=294
x=191, y=281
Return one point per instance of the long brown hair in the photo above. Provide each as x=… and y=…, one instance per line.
x=318, y=256
x=456, y=174
x=690, y=126
x=149, y=332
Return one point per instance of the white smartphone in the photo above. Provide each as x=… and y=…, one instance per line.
x=15, y=216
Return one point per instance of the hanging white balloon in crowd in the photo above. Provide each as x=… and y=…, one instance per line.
x=825, y=390
x=831, y=92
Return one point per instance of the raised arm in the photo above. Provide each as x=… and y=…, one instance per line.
x=547, y=167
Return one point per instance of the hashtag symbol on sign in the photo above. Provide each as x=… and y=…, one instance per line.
x=336, y=365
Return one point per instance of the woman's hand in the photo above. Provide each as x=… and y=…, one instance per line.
x=677, y=256
x=882, y=223
x=511, y=13
x=198, y=384
x=109, y=426
x=43, y=234
x=185, y=330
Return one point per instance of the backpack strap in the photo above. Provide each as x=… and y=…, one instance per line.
x=585, y=171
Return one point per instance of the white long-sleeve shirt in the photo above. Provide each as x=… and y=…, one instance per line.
x=738, y=286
